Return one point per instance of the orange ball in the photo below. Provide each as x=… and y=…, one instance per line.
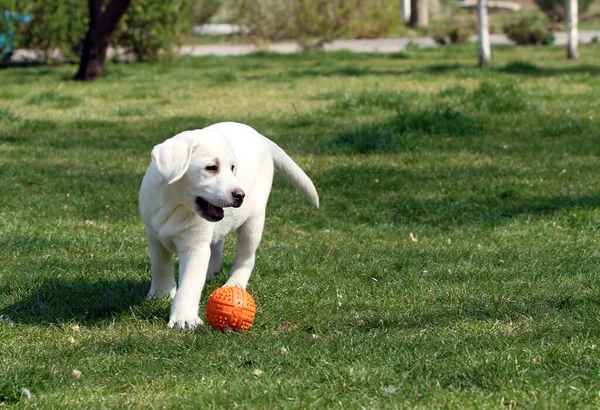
x=230, y=307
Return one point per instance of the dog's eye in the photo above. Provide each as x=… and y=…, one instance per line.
x=232, y=168
x=211, y=168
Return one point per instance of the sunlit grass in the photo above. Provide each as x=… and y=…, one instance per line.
x=453, y=262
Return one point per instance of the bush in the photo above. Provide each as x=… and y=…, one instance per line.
x=453, y=34
x=556, y=10
x=55, y=25
x=532, y=29
x=201, y=11
x=316, y=21
x=149, y=29
x=459, y=35
x=266, y=20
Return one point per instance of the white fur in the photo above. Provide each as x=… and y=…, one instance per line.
x=178, y=175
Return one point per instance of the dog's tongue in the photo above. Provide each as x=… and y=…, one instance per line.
x=215, y=210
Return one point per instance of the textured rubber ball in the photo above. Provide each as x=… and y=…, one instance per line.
x=230, y=307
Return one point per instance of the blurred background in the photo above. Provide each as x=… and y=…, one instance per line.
x=151, y=30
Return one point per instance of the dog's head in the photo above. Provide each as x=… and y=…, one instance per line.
x=202, y=167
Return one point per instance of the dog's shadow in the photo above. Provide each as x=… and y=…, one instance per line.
x=60, y=301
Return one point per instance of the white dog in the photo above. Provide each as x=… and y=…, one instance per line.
x=201, y=186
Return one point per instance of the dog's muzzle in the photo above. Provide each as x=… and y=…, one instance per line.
x=215, y=213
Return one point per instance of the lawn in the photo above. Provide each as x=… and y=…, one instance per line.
x=453, y=262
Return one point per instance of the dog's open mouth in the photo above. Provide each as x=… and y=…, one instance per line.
x=209, y=211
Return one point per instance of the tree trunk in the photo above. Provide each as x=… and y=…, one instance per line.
x=434, y=9
x=102, y=26
x=419, y=15
x=485, y=53
x=573, y=39
x=405, y=11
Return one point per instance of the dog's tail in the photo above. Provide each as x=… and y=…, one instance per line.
x=293, y=173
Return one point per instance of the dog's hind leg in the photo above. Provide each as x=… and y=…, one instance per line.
x=248, y=239
x=163, y=282
x=216, y=258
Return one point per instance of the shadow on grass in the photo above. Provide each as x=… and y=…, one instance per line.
x=516, y=68
x=490, y=309
x=325, y=72
x=492, y=209
x=464, y=70
x=23, y=64
x=68, y=284
x=89, y=193
x=488, y=196
x=474, y=194
x=406, y=131
x=60, y=301
x=98, y=134
x=529, y=69
x=473, y=126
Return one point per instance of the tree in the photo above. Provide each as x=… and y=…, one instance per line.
x=102, y=25
x=557, y=10
x=572, y=43
x=405, y=10
x=419, y=14
x=485, y=54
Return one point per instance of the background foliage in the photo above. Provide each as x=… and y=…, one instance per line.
x=271, y=20
x=201, y=11
x=529, y=29
x=149, y=29
x=55, y=25
x=556, y=10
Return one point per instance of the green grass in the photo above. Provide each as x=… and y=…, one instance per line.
x=453, y=263
x=51, y=99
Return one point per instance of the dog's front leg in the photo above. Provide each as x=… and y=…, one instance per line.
x=193, y=264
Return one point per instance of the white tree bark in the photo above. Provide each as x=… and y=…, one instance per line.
x=485, y=53
x=419, y=13
x=423, y=13
x=573, y=40
x=435, y=8
x=405, y=10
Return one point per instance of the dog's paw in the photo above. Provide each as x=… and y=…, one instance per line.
x=183, y=323
x=161, y=293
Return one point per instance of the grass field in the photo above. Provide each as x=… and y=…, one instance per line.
x=453, y=263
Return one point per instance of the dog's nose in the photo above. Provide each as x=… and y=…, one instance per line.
x=238, y=196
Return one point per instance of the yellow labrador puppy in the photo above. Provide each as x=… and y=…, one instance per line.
x=201, y=186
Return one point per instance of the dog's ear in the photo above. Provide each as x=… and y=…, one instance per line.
x=172, y=157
